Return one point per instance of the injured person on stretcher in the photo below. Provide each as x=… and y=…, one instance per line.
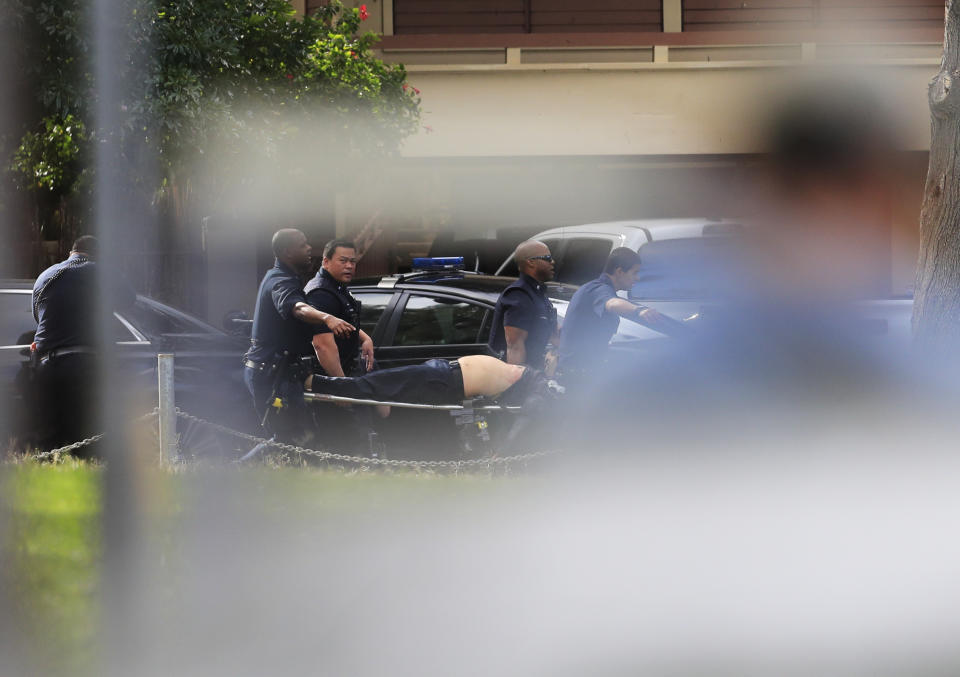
x=443, y=382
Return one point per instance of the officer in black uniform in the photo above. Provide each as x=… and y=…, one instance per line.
x=64, y=346
x=280, y=333
x=346, y=428
x=524, y=320
x=350, y=355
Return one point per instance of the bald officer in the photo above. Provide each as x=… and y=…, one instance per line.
x=524, y=320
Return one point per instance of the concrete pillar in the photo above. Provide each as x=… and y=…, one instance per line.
x=672, y=16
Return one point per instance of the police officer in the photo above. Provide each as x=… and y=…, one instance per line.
x=594, y=314
x=64, y=306
x=352, y=354
x=524, y=320
x=280, y=334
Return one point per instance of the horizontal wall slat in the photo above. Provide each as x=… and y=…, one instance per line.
x=892, y=14
x=458, y=16
x=740, y=5
x=478, y=20
x=595, y=6
x=700, y=15
x=594, y=28
x=883, y=3
x=594, y=18
x=545, y=16
x=731, y=16
x=628, y=16
x=435, y=6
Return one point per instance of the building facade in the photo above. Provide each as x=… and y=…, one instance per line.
x=538, y=113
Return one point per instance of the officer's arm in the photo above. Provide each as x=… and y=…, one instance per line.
x=325, y=347
x=366, y=350
x=636, y=313
x=307, y=313
x=516, y=344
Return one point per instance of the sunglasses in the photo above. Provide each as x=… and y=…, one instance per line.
x=544, y=257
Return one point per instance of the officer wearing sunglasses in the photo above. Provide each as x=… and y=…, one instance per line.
x=524, y=320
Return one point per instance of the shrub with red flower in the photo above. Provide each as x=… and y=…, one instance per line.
x=364, y=15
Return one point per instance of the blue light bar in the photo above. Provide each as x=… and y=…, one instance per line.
x=438, y=263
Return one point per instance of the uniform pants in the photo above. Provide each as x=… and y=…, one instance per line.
x=433, y=382
x=287, y=422
x=69, y=401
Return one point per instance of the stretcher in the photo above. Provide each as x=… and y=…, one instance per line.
x=468, y=404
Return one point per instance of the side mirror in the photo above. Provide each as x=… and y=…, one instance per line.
x=237, y=323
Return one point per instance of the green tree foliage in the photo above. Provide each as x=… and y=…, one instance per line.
x=205, y=76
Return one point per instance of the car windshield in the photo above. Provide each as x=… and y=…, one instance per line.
x=689, y=268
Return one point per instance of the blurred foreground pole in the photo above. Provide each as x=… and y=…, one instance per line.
x=167, y=408
x=112, y=55
x=936, y=308
x=12, y=641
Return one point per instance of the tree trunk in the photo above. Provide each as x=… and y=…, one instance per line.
x=936, y=308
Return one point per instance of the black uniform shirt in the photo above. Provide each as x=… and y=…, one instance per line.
x=587, y=326
x=64, y=297
x=275, y=329
x=524, y=305
x=326, y=294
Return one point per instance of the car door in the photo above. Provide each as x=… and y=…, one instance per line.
x=16, y=334
x=428, y=325
x=375, y=307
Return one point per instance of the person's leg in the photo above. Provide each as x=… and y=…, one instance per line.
x=433, y=382
x=259, y=386
x=70, y=403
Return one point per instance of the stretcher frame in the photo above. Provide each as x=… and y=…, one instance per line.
x=323, y=397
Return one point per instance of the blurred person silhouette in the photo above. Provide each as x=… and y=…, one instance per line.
x=65, y=345
x=790, y=339
x=594, y=314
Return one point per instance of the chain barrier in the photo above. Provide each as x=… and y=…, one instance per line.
x=87, y=441
x=366, y=461
x=315, y=453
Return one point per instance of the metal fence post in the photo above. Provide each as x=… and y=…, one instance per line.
x=167, y=407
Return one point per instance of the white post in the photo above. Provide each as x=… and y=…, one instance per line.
x=167, y=405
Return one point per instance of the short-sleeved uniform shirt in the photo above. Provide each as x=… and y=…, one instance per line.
x=587, y=326
x=326, y=294
x=524, y=305
x=64, y=297
x=275, y=329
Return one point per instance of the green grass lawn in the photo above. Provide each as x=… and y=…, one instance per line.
x=52, y=536
x=51, y=551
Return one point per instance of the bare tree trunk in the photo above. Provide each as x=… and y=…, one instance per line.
x=936, y=309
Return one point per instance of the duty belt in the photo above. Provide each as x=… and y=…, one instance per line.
x=457, y=374
x=259, y=366
x=66, y=350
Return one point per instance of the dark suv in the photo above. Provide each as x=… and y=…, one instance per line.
x=415, y=317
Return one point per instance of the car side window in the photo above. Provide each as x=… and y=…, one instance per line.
x=372, y=306
x=583, y=259
x=439, y=321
